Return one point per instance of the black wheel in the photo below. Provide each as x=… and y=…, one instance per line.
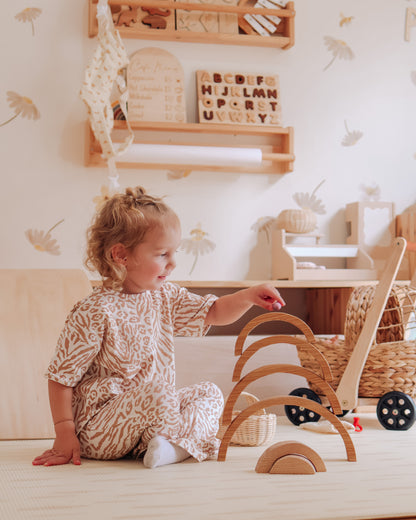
x=396, y=411
x=343, y=414
x=298, y=414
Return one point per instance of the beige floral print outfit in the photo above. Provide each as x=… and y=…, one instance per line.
x=117, y=352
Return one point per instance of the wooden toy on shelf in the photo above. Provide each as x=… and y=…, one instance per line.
x=370, y=225
x=210, y=22
x=155, y=82
x=238, y=98
x=233, y=422
x=359, y=265
x=131, y=26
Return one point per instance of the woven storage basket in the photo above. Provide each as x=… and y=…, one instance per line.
x=390, y=327
x=391, y=362
x=257, y=430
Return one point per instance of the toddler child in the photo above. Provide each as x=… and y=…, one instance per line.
x=111, y=381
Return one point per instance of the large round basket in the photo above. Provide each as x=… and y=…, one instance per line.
x=391, y=362
x=257, y=430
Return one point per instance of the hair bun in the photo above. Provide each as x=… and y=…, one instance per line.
x=137, y=193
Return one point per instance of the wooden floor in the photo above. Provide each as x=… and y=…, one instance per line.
x=381, y=484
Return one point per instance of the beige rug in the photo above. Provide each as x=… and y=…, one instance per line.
x=381, y=484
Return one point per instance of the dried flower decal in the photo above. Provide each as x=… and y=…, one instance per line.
x=264, y=224
x=338, y=48
x=100, y=200
x=28, y=15
x=42, y=241
x=306, y=201
x=345, y=20
x=371, y=192
x=197, y=244
x=174, y=175
x=352, y=137
x=21, y=105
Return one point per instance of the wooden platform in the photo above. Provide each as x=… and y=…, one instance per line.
x=379, y=485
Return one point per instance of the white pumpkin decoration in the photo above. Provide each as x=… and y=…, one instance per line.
x=297, y=220
x=301, y=220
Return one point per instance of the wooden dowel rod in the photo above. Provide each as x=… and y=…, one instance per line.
x=282, y=13
x=278, y=157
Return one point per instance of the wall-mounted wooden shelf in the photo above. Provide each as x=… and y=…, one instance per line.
x=283, y=38
x=275, y=143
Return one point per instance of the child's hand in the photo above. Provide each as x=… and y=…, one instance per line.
x=268, y=297
x=65, y=448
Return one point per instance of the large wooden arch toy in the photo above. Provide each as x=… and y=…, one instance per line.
x=272, y=316
x=266, y=370
x=276, y=340
x=291, y=401
x=284, y=461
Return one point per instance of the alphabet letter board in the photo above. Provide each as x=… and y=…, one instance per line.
x=236, y=98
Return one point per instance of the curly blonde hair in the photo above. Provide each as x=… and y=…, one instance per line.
x=124, y=219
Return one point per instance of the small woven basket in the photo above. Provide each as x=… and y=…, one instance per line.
x=257, y=430
x=391, y=362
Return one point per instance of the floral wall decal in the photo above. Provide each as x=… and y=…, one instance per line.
x=21, y=105
x=351, y=138
x=370, y=192
x=100, y=200
x=264, y=224
x=197, y=245
x=43, y=242
x=345, y=20
x=338, y=48
x=310, y=201
x=28, y=15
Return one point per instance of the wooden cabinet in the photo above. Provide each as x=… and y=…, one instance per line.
x=275, y=143
x=133, y=27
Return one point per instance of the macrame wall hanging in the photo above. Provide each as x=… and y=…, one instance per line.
x=102, y=74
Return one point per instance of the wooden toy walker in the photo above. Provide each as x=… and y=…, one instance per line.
x=376, y=363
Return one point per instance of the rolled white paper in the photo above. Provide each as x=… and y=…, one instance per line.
x=198, y=155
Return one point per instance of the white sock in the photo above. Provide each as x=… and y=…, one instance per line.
x=161, y=452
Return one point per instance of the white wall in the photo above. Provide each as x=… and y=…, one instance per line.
x=44, y=179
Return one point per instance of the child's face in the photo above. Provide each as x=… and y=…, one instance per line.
x=151, y=262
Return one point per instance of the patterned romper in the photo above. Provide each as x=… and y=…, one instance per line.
x=116, y=351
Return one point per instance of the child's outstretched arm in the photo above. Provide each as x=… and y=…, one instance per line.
x=231, y=307
x=66, y=446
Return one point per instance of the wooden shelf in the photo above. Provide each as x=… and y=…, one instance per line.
x=275, y=143
x=283, y=38
x=279, y=284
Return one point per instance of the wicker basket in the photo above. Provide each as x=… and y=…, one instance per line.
x=390, y=327
x=257, y=430
x=391, y=362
